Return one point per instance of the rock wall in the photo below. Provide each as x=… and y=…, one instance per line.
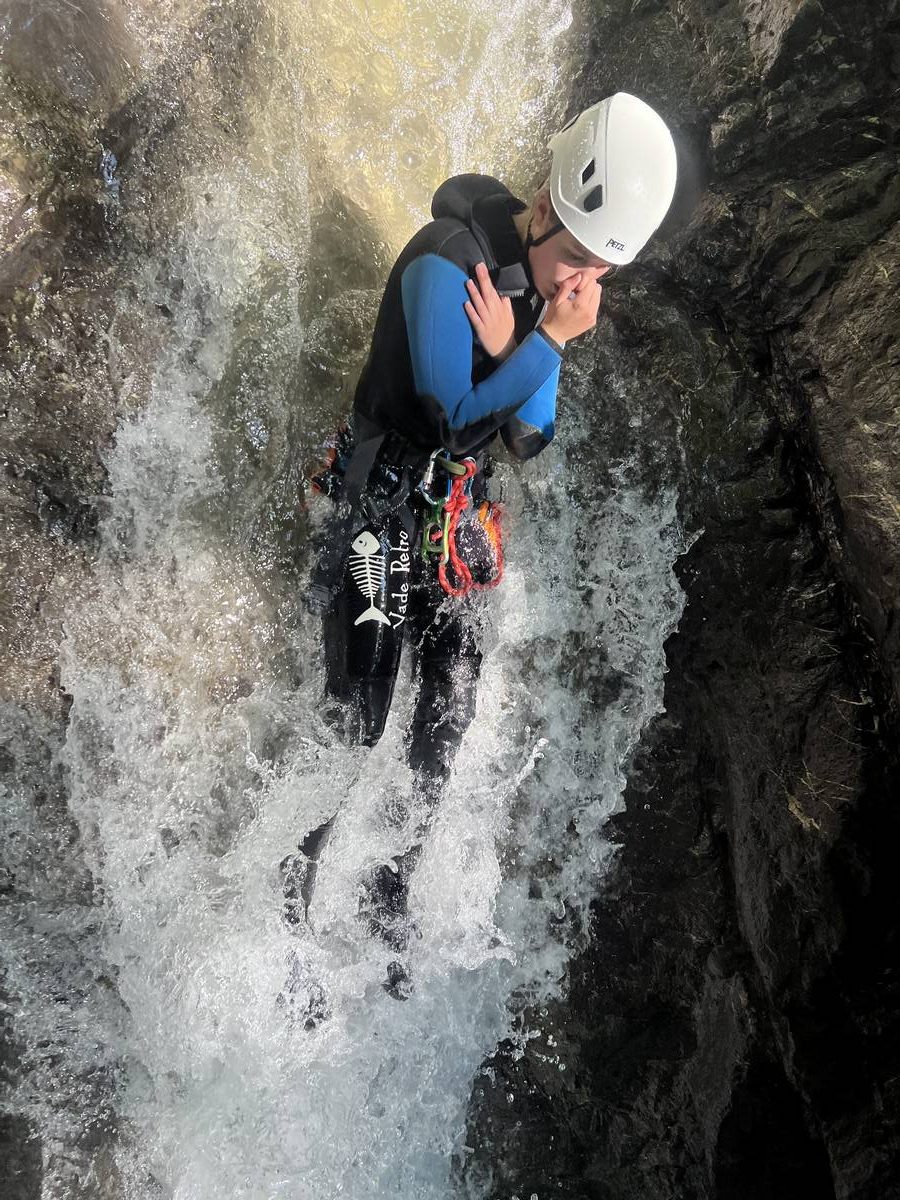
x=83, y=94
x=732, y=1031
x=93, y=111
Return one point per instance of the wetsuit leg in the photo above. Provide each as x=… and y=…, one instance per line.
x=448, y=659
x=448, y=664
x=363, y=631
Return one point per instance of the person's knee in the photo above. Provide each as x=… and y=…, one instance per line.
x=449, y=687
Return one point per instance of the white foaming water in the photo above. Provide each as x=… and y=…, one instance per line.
x=197, y=758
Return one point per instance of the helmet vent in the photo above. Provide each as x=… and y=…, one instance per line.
x=594, y=198
x=588, y=171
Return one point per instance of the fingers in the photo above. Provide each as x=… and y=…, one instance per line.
x=484, y=297
x=587, y=296
x=592, y=296
x=564, y=290
x=482, y=286
x=588, y=303
x=473, y=316
x=490, y=314
x=482, y=292
x=575, y=306
x=477, y=300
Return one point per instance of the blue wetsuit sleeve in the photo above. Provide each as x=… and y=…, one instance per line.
x=530, y=429
x=440, y=344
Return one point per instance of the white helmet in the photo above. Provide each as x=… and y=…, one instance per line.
x=613, y=176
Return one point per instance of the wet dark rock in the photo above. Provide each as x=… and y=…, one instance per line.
x=731, y=1032
x=20, y=1154
x=88, y=141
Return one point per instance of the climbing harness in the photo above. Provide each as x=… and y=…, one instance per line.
x=469, y=555
x=440, y=530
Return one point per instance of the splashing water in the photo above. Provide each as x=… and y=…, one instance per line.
x=195, y=756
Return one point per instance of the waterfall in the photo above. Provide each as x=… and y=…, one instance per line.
x=158, y=998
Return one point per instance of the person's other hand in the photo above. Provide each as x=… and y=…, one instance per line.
x=491, y=315
x=573, y=310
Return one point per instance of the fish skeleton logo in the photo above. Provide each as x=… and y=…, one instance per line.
x=368, y=567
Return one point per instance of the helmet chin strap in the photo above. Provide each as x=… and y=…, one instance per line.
x=533, y=241
x=551, y=232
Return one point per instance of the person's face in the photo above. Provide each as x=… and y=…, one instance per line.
x=561, y=256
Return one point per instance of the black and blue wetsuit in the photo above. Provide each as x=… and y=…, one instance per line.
x=428, y=384
x=427, y=378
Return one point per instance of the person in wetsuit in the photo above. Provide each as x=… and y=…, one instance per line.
x=467, y=344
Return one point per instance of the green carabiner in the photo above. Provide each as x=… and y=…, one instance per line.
x=433, y=524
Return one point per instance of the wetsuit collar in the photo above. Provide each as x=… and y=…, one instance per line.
x=506, y=257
